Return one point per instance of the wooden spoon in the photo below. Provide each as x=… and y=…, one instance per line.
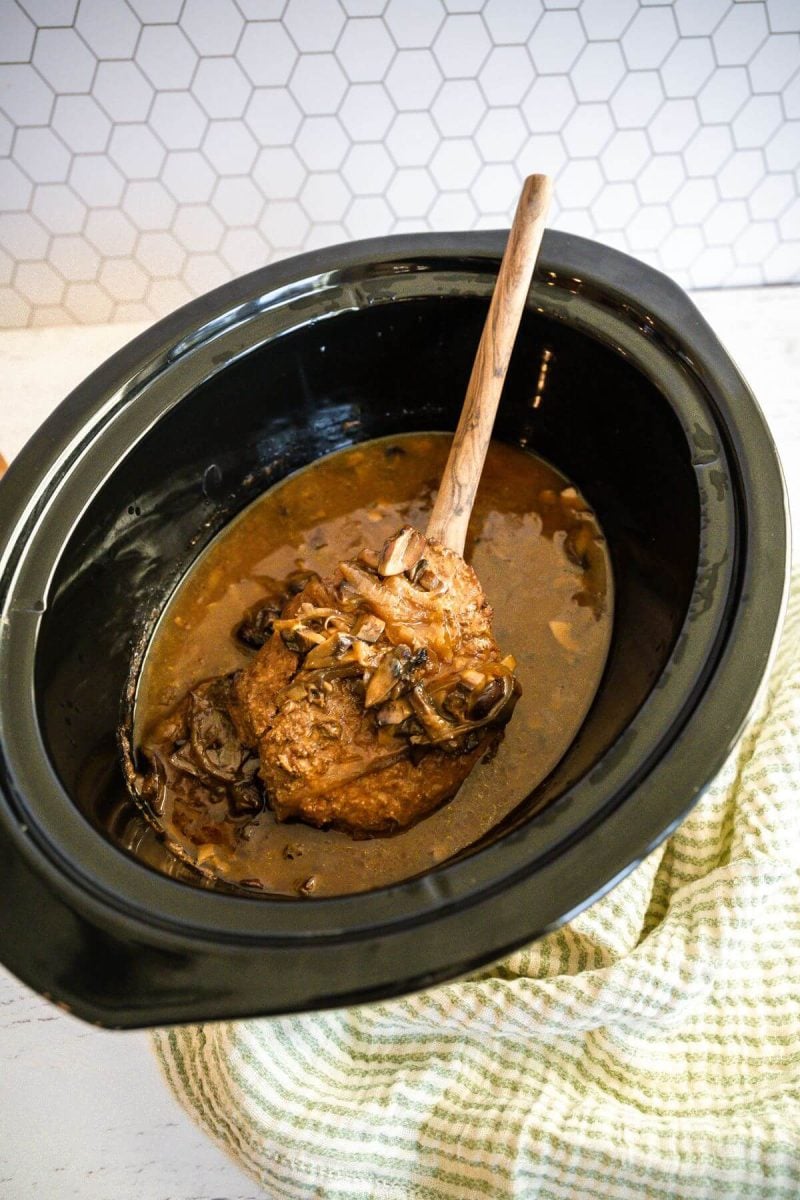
x=451, y=512
x=433, y=632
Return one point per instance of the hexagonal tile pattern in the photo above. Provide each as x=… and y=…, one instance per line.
x=286, y=224
x=510, y=22
x=136, y=150
x=17, y=34
x=461, y=46
x=148, y=204
x=506, y=75
x=188, y=176
x=221, y=87
x=413, y=79
x=318, y=83
x=42, y=155
x=278, y=173
x=39, y=283
x=160, y=254
x=25, y=97
x=241, y=248
x=458, y=107
x=366, y=112
x=115, y=38
x=151, y=149
x=230, y=147
x=369, y=216
x=15, y=186
x=74, y=258
x=687, y=67
x=367, y=169
x=649, y=38
x=322, y=143
x=743, y=28
x=267, y=53
x=178, y=120
x=81, y=124
x=624, y=155
x=720, y=99
x=325, y=197
x=212, y=26
x=365, y=50
x=166, y=56
x=606, y=20
x=453, y=210
x=197, y=227
x=122, y=91
x=413, y=24
x=775, y=62
x=64, y=60
x=549, y=104
x=314, y=24
x=500, y=135
x=411, y=192
x=556, y=42
x=273, y=117
x=673, y=125
x=412, y=139
x=96, y=180
x=597, y=71
x=588, y=130
x=637, y=99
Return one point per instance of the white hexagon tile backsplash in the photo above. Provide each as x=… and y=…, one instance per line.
x=151, y=149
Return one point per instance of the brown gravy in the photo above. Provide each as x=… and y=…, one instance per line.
x=544, y=566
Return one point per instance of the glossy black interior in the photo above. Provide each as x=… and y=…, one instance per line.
x=380, y=370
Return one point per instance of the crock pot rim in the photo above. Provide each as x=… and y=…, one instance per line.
x=561, y=253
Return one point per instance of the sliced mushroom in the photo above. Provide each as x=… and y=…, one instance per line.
x=215, y=745
x=245, y=800
x=485, y=702
x=257, y=626
x=396, y=668
x=368, y=627
x=310, y=612
x=370, y=558
x=496, y=710
x=429, y=581
x=402, y=551
x=415, y=571
x=394, y=712
x=436, y=727
x=456, y=702
x=336, y=623
x=297, y=580
x=389, y=671
x=297, y=636
x=335, y=649
x=577, y=543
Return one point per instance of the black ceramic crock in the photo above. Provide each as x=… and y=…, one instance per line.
x=616, y=379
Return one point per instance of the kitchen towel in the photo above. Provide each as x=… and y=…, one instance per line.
x=651, y=1048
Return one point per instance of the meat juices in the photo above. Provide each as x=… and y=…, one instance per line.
x=544, y=565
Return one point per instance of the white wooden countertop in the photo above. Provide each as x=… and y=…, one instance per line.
x=84, y=1113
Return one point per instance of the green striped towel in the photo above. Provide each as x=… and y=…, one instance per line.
x=651, y=1048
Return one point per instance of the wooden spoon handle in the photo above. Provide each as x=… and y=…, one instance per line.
x=462, y=473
